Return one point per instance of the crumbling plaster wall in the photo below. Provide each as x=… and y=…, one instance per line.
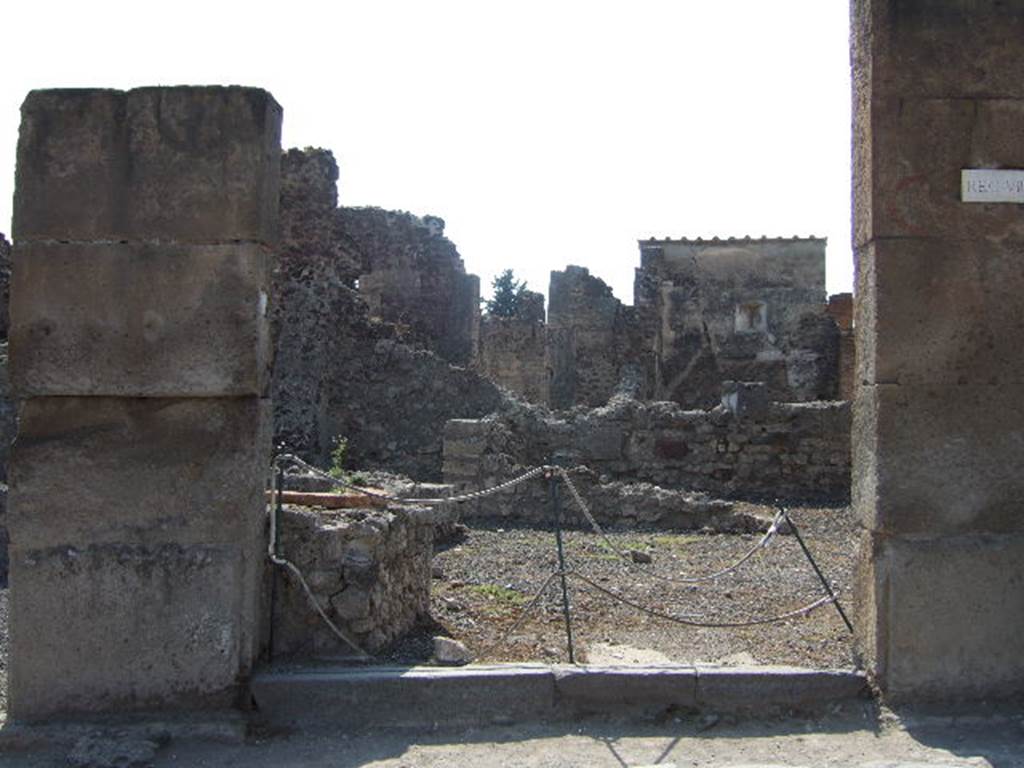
x=741, y=309
x=339, y=371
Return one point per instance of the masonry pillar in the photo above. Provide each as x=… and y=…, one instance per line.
x=939, y=412
x=143, y=222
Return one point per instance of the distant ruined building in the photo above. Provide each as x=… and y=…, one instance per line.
x=705, y=311
x=379, y=336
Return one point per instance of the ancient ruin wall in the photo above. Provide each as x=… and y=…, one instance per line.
x=5, y=285
x=369, y=569
x=512, y=350
x=791, y=450
x=338, y=371
x=740, y=309
x=840, y=309
x=593, y=342
x=414, y=278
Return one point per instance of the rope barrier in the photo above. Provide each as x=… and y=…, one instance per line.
x=690, y=622
x=762, y=544
x=550, y=472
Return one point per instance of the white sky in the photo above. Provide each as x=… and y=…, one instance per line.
x=544, y=133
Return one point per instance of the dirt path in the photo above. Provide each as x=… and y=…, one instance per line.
x=485, y=581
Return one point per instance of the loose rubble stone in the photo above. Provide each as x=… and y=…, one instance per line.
x=450, y=652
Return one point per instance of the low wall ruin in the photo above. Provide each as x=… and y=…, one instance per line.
x=369, y=569
x=790, y=450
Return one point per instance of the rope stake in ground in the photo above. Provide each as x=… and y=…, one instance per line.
x=814, y=565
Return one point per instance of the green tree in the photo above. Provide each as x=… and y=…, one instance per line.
x=507, y=295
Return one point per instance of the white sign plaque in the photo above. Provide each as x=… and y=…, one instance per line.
x=987, y=185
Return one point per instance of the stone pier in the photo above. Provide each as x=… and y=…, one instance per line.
x=939, y=416
x=143, y=227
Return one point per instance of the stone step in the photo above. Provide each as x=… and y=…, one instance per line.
x=353, y=697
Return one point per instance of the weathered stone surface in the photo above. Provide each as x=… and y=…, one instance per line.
x=338, y=371
x=937, y=89
x=942, y=616
x=924, y=458
x=191, y=164
x=962, y=325
x=139, y=320
x=935, y=49
x=601, y=690
x=414, y=277
x=370, y=570
x=198, y=470
x=513, y=350
x=126, y=627
x=740, y=309
x=5, y=285
x=914, y=186
x=796, y=450
x=593, y=341
x=451, y=652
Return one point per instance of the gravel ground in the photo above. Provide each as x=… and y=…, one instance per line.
x=483, y=583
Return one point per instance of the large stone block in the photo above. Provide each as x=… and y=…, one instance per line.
x=940, y=618
x=934, y=48
x=145, y=471
x=907, y=186
x=940, y=312
x=140, y=319
x=120, y=627
x=935, y=459
x=194, y=164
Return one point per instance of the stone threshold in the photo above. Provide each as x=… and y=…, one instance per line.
x=421, y=696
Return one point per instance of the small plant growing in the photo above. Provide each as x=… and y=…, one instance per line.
x=339, y=455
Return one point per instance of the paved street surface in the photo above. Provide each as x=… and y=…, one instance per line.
x=854, y=738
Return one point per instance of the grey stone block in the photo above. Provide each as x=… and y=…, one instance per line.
x=961, y=325
x=473, y=695
x=933, y=49
x=925, y=458
x=146, y=473
x=912, y=186
x=138, y=471
x=944, y=616
x=195, y=164
x=761, y=689
x=621, y=690
x=140, y=320
x=115, y=627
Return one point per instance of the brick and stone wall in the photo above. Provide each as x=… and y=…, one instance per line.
x=512, y=350
x=840, y=308
x=369, y=569
x=593, y=341
x=785, y=450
